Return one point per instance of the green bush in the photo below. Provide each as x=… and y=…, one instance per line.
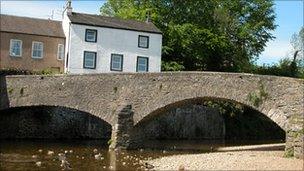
x=285, y=67
x=15, y=71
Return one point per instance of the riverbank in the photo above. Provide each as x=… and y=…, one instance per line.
x=258, y=157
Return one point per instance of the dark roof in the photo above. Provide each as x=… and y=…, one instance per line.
x=33, y=26
x=112, y=22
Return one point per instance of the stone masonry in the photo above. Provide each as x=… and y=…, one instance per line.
x=189, y=121
x=121, y=133
x=46, y=122
x=106, y=95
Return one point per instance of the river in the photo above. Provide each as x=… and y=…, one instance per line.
x=26, y=154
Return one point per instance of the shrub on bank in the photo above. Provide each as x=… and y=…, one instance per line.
x=15, y=71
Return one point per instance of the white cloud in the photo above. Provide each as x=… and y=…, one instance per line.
x=274, y=51
x=277, y=49
x=36, y=9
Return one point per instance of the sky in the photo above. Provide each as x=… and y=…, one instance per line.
x=289, y=18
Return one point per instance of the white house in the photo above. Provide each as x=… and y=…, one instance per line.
x=99, y=44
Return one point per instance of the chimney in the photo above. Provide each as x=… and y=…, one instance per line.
x=69, y=7
x=148, y=17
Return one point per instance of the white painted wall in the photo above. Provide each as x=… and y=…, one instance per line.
x=110, y=41
x=66, y=30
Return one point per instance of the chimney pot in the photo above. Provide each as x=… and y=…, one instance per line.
x=69, y=7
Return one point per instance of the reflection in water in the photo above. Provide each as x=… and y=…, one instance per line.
x=24, y=155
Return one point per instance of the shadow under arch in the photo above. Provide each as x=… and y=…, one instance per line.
x=249, y=125
x=51, y=122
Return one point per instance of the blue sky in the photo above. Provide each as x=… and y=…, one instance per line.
x=289, y=20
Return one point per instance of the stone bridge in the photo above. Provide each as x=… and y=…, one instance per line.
x=125, y=99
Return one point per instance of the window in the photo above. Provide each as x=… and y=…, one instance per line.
x=143, y=41
x=142, y=64
x=89, y=60
x=37, y=50
x=60, y=54
x=116, y=62
x=91, y=35
x=15, y=48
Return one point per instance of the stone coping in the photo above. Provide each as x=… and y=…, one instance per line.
x=207, y=73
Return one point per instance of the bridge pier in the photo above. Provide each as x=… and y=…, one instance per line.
x=295, y=137
x=120, y=138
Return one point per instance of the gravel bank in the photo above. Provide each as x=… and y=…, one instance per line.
x=232, y=158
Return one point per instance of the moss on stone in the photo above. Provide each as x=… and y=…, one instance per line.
x=110, y=142
x=115, y=89
x=289, y=153
x=257, y=98
x=22, y=91
x=10, y=90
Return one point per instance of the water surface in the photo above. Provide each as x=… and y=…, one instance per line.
x=23, y=154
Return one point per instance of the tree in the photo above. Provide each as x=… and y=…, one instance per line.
x=206, y=34
x=297, y=42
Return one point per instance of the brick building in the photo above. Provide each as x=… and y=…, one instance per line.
x=31, y=44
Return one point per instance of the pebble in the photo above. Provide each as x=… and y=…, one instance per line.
x=65, y=164
x=61, y=156
x=40, y=150
x=95, y=150
x=111, y=167
x=124, y=163
x=98, y=157
x=148, y=166
x=117, y=150
x=50, y=153
x=38, y=163
x=211, y=149
x=71, y=151
x=34, y=156
x=66, y=151
x=181, y=168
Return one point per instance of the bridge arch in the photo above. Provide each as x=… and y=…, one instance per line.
x=164, y=104
x=202, y=102
x=190, y=119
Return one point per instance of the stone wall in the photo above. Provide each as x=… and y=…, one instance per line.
x=51, y=122
x=185, y=122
